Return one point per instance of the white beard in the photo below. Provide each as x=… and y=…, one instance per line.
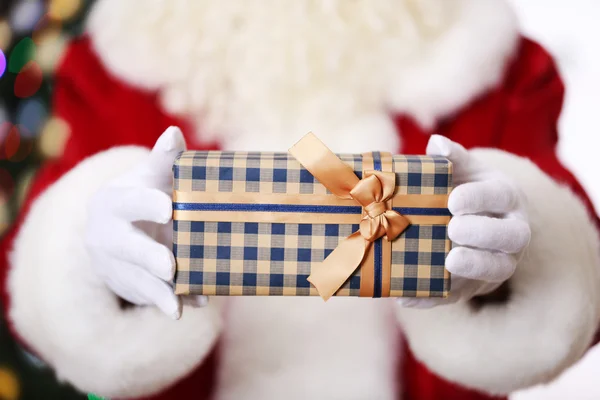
x=258, y=74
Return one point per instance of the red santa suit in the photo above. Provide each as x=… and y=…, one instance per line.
x=257, y=75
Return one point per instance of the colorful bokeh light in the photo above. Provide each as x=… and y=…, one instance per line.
x=54, y=137
x=9, y=384
x=32, y=115
x=10, y=139
x=2, y=63
x=5, y=35
x=29, y=80
x=26, y=14
x=44, y=25
x=51, y=46
x=64, y=10
x=25, y=145
x=5, y=128
x=5, y=217
x=14, y=143
x=21, y=54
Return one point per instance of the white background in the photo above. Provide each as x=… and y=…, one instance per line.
x=570, y=30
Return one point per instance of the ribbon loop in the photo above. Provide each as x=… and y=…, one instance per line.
x=372, y=193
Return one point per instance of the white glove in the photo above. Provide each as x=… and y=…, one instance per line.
x=489, y=230
x=129, y=230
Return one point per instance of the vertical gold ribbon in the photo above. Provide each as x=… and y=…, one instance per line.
x=387, y=165
x=367, y=272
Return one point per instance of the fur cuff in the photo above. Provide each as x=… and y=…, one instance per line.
x=578, y=382
x=68, y=316
x=552, y=313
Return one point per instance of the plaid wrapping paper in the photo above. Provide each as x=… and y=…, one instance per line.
x=263, y=258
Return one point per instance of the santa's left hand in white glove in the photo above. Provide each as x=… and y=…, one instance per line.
x=489, y=229
x=129, y=230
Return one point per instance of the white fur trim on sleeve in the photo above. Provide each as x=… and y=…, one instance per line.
x=580, y=382
x=552, y=313
x=70, y=318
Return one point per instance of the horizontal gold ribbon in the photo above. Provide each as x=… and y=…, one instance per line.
x=408, y=200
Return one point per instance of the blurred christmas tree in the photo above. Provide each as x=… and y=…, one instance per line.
x=33, y=36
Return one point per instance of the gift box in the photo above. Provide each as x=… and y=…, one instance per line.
x=309, y=222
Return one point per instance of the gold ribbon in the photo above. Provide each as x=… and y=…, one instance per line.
x=404, y=200
x=372, y=193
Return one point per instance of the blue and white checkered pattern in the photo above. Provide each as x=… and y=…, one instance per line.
x=249, y=258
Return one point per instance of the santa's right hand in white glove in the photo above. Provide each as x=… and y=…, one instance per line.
x=129, y=230
x=489, y=230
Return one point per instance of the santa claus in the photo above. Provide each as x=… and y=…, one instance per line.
x=89, y=264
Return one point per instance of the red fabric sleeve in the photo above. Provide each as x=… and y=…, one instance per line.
x=530, y=123
x=101, y=113
x=421, y=384
x=519, y=116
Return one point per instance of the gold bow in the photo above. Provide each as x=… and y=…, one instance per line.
x=373, y=193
